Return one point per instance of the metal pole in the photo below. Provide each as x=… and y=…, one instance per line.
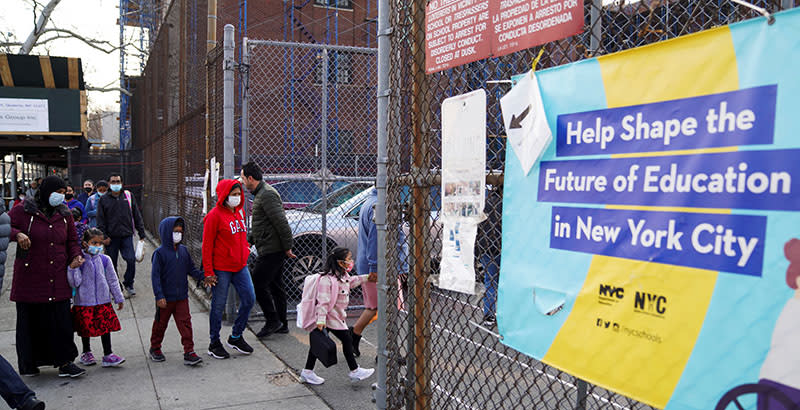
x=786, y=4
x=596, y=23
x=324, y=164
x=227, y=101
x=380, y=184
x=582, y=387
x=13, y=171
x=245, y=102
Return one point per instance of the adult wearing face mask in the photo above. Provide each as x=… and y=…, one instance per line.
x=117, y=216
x=88, y=189
x=72, y=202
x=225, y=252
x=91, y=203
x=46, y=245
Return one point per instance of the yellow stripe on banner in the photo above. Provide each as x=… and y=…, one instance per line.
x=47, y=72
x=669, y=209
x=626, y=341
x=673, y=153
x=678, y=68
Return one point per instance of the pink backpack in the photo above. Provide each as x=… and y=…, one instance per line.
x=307, y=308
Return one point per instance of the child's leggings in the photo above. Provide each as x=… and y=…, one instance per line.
x=347, y=346
x=105, y=339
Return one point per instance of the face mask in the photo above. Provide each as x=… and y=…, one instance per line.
x=68, y=196
x=233, y=201
x=348, y=266
x=177, y=237
x=88, y=190
x=116, y=187
x=95, y=250
x=56, y=199
x=100, y=193
x=22, y=197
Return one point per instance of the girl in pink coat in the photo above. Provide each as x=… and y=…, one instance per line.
x=335, y=284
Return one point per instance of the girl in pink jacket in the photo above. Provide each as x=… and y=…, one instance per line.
x=335, y=284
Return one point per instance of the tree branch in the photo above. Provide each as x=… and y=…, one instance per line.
x=109, y=90
x=38, y=27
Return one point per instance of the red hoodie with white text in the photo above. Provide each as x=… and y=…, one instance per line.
x=225, y=244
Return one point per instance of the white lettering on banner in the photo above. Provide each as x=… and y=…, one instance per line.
x=722, y=242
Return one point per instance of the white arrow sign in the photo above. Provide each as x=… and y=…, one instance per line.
x=525, y=121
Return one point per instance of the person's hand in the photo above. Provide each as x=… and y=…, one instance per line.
x=290, y=254
x=120, y=305
x=107, y=241
x=210, y=281
x=320, y=326
x=78, y=261
x=161, y=303
x=372, y=277
x=23, y=241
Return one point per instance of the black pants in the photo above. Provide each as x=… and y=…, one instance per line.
x=44, y=335
x=347, y=346
x=104, y=339
x=268, y=285
x=123, y=245
x=12, y=388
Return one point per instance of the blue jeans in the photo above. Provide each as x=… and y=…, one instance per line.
x=123, y=245
x=491, y=275
x=243, y=284
x=12, y=388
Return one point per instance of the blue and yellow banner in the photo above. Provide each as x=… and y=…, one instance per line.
x=657, y=259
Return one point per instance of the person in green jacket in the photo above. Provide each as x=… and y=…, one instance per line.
x=272, y=237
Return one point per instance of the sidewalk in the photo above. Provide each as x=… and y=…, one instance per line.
x=258, y=381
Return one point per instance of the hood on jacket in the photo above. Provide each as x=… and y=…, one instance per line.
x=224, y=188
x=165, y=230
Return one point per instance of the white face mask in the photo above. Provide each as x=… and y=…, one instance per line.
x=234, y=201
x=177, y=237
x=56, y=199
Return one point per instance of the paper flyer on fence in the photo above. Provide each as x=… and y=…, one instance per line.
x=463, y=187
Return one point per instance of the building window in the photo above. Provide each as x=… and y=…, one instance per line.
x=339, y=4
x=339, y=68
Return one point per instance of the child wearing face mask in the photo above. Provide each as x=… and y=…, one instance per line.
x=172, y=263
x=333, y=296
x=92, y=313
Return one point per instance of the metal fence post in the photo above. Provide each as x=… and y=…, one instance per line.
x=227, y=132
x=596, y=23
x=227, y=102
x=245, y=101
x=380, y=210
x=581, y=387
x=324, y=163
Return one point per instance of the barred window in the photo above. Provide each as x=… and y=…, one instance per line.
x=339, y=4
x=339, y=68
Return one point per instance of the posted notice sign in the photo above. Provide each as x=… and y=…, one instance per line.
x=654, y=250
x=24, y=115
x=461, y=31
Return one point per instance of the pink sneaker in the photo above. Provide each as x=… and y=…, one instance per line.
x=87, y=359
x=112, y=360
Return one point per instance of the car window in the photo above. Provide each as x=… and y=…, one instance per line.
x=337, y=197
x=356, y=210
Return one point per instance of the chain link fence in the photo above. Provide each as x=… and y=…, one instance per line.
x=442, y=354
x=311, y=124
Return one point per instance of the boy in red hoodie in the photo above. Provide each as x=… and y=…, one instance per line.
x=225, y=252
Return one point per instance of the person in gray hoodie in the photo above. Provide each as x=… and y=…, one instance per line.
x=5, y=233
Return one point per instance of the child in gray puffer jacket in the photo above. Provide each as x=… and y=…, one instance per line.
x=92, y=313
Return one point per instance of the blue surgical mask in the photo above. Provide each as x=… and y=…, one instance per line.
x=95, y=250
x=116, y=187
x=56, y=199
x=100, y=193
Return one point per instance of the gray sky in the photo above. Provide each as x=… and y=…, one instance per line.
x=90, y=18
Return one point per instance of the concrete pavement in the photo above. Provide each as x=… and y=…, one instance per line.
x=258, y=381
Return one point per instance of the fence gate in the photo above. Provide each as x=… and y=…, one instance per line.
x=309, y=122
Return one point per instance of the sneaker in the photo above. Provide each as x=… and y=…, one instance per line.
x=489, y=320
x=284, y=329
x=87, y=359
x=239, y=344
x=30, y=373
x=308, y=376
x=216, y=350
x=131, y=290
x=112, y=360
x=70, y=370
x=191, y=359
x=268, y=329
x=32, y=404
x=360, y=374
x=157, y=355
